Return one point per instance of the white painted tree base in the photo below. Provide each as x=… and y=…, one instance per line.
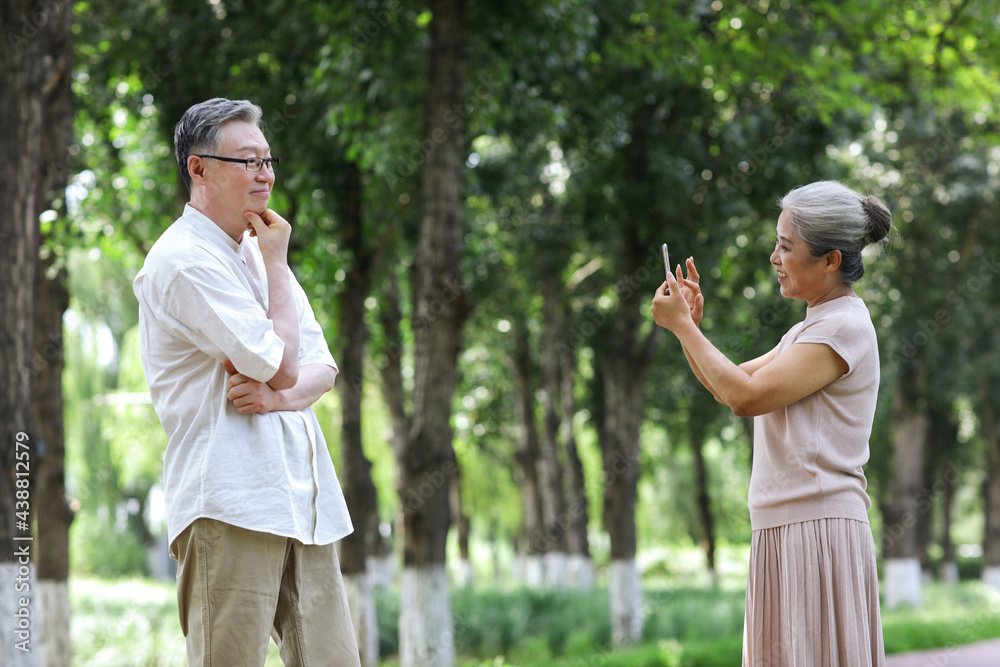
x=991, y=576
x=465, y=574
x=426, y=634
x=949, y=572
x=534, y=571
x=382, y=570
x=556, y=569
x=625, y=586
x=19, y=624
x=581, y=572
x=361, y=600
x=53, y=622
x=902, y=583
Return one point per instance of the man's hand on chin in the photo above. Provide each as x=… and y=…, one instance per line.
x=272, y=232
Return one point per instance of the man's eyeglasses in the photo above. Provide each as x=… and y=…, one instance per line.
x=252, y=163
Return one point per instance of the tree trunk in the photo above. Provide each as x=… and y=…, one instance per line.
x=620, y=450
x=941, y=489
x=581, y=569
x=991, y=538
x=52, y=512
x=428, y=462
x=624, y=375
x=554, y=515
x=949, y=566
x=702, y=495
x=466, y=576
x=34, y=74
x=528, y=455
x=51, y=302
x=390, y=363
x=389, y=360
x=359, y=490
x=899, y=534
x=624, y=378
x=925, y=501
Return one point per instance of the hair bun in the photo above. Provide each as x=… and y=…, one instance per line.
x=879, y=219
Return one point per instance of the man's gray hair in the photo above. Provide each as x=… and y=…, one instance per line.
x=830, y=216
x=199, y=130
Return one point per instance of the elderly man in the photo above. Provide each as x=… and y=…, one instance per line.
x=234, y=359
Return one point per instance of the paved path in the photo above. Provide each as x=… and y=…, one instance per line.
x=983, y=654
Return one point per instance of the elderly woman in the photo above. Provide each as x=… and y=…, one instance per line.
x=812, y=590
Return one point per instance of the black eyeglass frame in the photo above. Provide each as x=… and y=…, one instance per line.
x=271, y=162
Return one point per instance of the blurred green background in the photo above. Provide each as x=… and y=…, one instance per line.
x=594, y=130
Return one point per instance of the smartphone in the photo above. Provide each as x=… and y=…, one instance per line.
x=666, y=259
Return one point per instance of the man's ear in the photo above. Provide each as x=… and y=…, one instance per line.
x=196, y=168
x=833, y=261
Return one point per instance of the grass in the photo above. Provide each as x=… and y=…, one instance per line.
x=133, y=623
x=129, y=623
x=950, y=616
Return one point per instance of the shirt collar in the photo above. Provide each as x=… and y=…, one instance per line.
x=208, y=230
x=842, y=301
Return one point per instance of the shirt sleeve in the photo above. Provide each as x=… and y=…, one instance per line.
x=313, y=348
x=217, y=313
x=840, y=333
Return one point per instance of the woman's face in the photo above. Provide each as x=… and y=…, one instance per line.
x=800, y=275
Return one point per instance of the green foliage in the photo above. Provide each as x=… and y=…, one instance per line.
x=134, y=622
x=115, y=442
x=130, y=622
x=102, y=546
x=593, y=128
x=700, y=614
x=950, y=616
x=534, y=626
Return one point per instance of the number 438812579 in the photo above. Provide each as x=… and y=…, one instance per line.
x=22, y=470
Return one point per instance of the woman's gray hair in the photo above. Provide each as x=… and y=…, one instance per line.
x=830, y=216
x=199, y=128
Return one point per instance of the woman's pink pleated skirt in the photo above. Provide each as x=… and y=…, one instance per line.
x=812, y=597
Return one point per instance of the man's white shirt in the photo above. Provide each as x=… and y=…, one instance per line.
x=203, y=299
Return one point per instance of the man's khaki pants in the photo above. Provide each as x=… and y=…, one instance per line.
x=235, y=587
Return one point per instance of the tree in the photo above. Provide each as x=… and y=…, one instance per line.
x=51, y=301
x=528, y=458
x=53, y=513
x=317, y=96
x=36, y=64
x=359, y=490
x=439, y=312
x=991, y=539
x=927, y=355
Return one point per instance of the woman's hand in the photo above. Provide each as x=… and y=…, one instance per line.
x=670, y=308
x=692, y=290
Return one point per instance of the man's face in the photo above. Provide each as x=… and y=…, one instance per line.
x=229, y=184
